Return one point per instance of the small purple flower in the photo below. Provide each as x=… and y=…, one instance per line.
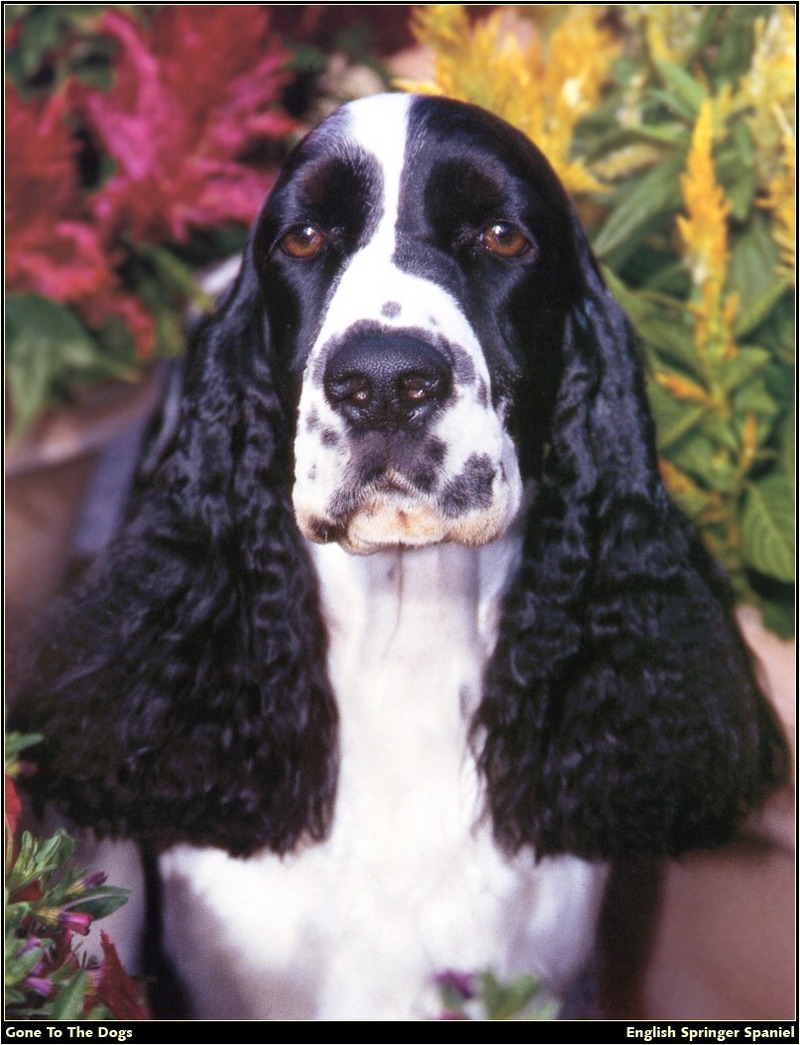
x=31, y=943
x=461, y=984
x=75, y=921
x=40, y=985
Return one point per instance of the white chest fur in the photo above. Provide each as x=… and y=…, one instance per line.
x=409, y=882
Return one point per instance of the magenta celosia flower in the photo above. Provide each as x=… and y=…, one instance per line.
x=53, y=247
x=191, y=96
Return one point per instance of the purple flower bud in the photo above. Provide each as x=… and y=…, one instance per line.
x=91, y=881
x=461, y=984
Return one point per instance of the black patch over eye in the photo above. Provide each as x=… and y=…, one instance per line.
x=505, y=240
x=304, y=241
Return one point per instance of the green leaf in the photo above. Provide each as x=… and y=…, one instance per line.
x=48, y=350
x=673, y=420
x=38, y=858
x=658, y=323
x=16, y=743
x=754, y=398
x=736, y=170
x=742, y=367
x=779, y=616
x=505, y=1001
x=759, y=308
x=768, y=528
x=655, y=195
x=18, y=966
x=686, y=93
x=701, y=458
x=68, y=1004
x=754, y=263
x=103, y=901
x=735, y=41
x=43, y=340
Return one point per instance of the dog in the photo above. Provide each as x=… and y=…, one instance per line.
x=403, y=640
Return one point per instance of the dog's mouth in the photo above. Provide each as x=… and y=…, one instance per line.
x=392, y=512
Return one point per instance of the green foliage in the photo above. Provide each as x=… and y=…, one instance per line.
x=47, y=901
x=467, y=996
x=50, y=352
x=723, y=394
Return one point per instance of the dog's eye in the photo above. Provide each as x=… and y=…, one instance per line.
x=505, y=240
x=305, y=241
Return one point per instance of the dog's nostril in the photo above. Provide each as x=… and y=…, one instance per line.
x=353, y=389
x=417, y=389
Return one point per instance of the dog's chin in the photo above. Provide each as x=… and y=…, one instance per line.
x=391, y=521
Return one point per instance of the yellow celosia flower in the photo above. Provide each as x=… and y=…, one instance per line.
x=543, y=92
x=750, y=443
x=682, y=388
x=705, y=230
x=768, y=90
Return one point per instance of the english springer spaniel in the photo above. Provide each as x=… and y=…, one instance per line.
x=403, y=639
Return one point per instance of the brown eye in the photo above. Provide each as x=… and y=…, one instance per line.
x=505, y=240
x=305, y=241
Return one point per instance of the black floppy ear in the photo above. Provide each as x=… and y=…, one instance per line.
x=620, y=712
x=182, y=694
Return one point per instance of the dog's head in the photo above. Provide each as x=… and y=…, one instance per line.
x=417, y=260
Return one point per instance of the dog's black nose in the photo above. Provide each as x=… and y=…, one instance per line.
x=387, y=381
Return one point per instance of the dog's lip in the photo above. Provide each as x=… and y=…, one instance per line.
x=392, y=482
x=391, y=487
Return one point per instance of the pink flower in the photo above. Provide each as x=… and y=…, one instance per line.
x=191, y=98
x=75, y=921
x=53, y=247
x=40, y=985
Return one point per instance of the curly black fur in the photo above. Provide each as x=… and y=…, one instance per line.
x=184, y=697
x=620, y=710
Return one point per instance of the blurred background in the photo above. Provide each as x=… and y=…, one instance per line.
x=140, y=141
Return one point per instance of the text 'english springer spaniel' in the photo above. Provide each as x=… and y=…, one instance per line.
x=403, y=639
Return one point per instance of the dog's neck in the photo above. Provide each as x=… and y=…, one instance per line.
x=391, y=616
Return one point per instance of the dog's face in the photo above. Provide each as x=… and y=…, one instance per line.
x=417, y=260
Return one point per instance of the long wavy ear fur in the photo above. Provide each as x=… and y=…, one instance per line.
x=620, y=712
x=183, y=694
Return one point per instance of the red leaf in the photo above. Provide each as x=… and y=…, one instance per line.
x=12, y=808
x=116, y=990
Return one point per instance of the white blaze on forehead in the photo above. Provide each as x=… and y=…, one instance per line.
x=380, y=127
